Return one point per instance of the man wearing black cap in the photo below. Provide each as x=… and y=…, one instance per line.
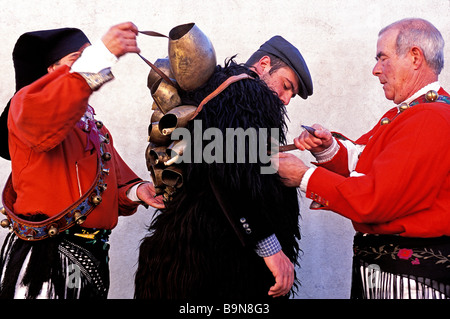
x=68, y=183
x=230, y=231
x=282, y=67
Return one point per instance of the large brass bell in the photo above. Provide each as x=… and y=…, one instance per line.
x=155, y=173
x=175, y=150
x=177, y=117
x=158, y=155
x=192, y=56
x=164, y=66
x=156, y=116
x=148, y=159
x=172, y=176
x=155, y=135
x=165, y=96
x=3, y=210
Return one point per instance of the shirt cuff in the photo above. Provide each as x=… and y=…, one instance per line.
x=94, y=59
x=268, y=246
x=305, y=179
x=327, y=154
x=132, y=193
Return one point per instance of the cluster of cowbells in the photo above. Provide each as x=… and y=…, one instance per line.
x=190, y=63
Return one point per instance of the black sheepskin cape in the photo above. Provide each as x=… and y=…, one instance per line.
x=194, y=250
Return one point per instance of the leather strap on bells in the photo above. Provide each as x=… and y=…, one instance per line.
x=219, y=90
x=159, y=72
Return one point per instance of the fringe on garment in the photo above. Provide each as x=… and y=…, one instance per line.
x=395, y=267
x=54, y=268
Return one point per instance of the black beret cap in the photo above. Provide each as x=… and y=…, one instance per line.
x=290, y=55
x=35, y=51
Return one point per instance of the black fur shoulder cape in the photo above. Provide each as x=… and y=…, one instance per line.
x=194, y=250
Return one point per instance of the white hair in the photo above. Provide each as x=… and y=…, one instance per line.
x=414, y=32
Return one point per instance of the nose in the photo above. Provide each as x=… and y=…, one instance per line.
x=376, y=69
x=285, y=98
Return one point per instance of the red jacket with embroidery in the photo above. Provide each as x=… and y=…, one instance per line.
x=405, y=188
x=52, y=161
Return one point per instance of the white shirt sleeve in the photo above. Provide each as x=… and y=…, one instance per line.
x=132, y=193
x=94, y=59
x=353, y=152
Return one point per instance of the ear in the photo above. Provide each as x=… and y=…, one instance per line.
x=417, y=57
x=263, y=65
x=51, y=68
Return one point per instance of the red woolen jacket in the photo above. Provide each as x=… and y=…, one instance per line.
x=405, y=188
x=53, y=163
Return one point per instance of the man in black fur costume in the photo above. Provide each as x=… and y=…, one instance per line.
x=208, y=243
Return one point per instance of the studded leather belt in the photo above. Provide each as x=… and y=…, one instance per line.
x=75, y=214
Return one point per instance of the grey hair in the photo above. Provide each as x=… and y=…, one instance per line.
x=414, y=32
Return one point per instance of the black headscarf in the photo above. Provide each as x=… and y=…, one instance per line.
x=33, y=53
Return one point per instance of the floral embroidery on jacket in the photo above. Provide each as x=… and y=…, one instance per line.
x=412, y=255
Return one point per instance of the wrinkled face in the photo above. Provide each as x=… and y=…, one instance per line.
x=393, y=71
x=283, y=81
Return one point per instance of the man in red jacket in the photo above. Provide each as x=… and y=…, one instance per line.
x=394, y=181
x=68, y=183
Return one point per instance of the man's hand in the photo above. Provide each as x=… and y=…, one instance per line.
x=290, y=168
x=146, y=193
x=283, y=271
x=121, y=39
x=321, y=141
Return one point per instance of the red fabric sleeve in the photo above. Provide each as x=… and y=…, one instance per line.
x=46, y=111
x=405, y=167
x=339, y=163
